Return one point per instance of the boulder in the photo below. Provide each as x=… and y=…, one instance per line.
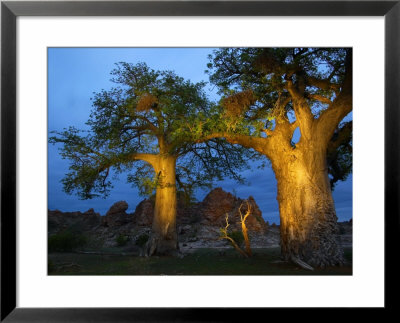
x=116, y=215
x=218, y=203
x=143, y=215
x=215, y=206
x=117, y=208
x=198, y=224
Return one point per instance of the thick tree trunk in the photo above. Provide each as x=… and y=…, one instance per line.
x=307, y=212
x=164, y=238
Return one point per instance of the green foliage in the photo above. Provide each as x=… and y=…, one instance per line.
x=142, y=239
x=237, y=236
x=265, y=73
x=66, y=241
x=153, y=113
x=121, y=240
x=340, y=154
x=144, y=178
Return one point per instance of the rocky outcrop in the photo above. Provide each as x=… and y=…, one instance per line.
x=210, y=212
x=118, y=208
x=198, y=224
x=215, y=205
x=77, y=221
x=116, y=216
x=218, y=203
x=143, y=215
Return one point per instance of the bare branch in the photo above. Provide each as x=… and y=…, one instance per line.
x=244, y=228
x=224, y=232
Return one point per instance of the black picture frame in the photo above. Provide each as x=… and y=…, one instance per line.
x=10, y=10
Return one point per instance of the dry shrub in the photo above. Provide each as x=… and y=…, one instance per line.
x=146, y=102
x=237, y=103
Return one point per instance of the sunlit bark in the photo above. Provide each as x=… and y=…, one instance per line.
x=164, y=238
x=308, y=222
x=225, y=235
x=243, y=219
x=224, y=232
x=307, y=212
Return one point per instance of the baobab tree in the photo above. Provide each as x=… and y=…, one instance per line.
x=144, y=127
x=267, y=93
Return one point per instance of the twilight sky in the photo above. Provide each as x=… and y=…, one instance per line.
x=75, y=73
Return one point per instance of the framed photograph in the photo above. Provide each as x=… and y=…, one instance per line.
x=267, y=63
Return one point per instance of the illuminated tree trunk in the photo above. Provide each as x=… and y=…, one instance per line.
x=307, y=212
x=164, y=238
x=244, y=228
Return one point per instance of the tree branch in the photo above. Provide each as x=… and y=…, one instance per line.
x=319, y=98
x=323, y=84
x=257, y=143
x=224, y=235
x=152, y=159
x=304, y=116
x=340, y=107
x=149, y=125
x=342, y=136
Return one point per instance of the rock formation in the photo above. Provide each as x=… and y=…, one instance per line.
x=58, y=221
x=198, y=224
x=218, y=203
x=116, y=216
x=143, y=215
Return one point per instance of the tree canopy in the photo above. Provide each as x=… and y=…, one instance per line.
x=167, y=135
x=261, y=86
x=148, y=113
x=268, y=93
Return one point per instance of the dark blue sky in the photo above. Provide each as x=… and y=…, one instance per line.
x=75, y=73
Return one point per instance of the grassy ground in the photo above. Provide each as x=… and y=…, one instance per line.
x=200, y=262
